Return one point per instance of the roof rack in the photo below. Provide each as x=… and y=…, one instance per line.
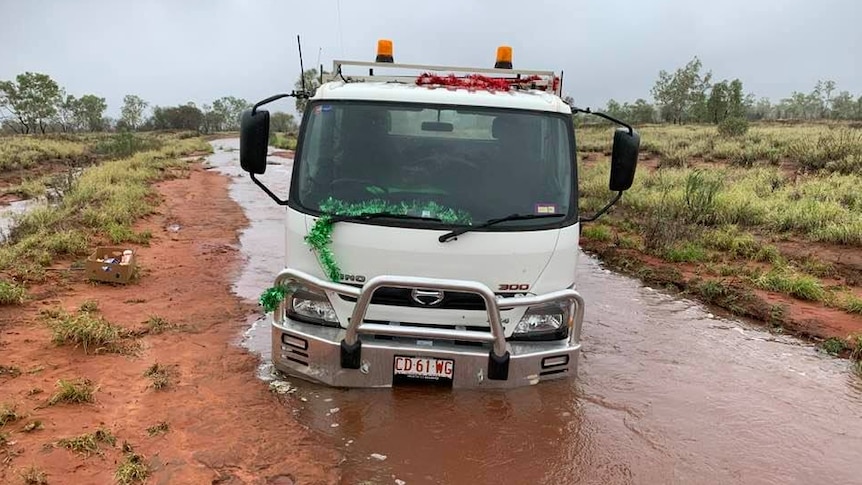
x=539, y=80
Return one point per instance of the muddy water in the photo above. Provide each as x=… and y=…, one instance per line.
x=8, y=213
x=666, y=393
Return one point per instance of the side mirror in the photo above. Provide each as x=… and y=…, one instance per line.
x=624, y=159
x=253, y=141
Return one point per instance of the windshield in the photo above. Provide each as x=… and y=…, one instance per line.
x=460, y=165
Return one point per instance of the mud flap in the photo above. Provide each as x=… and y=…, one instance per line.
x=352, y=354
x=498, y=366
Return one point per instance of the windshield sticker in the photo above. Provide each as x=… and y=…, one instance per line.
x=546, y=209
x=327, y=107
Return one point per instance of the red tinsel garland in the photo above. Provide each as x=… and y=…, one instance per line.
x=474, y=82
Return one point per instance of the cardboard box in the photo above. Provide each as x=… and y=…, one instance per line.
x=109, y=268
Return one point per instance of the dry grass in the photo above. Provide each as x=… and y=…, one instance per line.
x=8, y=414
x=161, y=376
x=156, y=325
x=34, y=476
x=158, y=429
x=9, y=370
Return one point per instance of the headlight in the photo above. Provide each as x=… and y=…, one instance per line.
x=544, y=322
x=311, y=306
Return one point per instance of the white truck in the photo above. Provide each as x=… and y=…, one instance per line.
x=432, y=226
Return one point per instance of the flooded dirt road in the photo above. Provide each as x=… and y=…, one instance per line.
x=666, y=393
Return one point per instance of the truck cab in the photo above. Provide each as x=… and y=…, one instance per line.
x=431, y=228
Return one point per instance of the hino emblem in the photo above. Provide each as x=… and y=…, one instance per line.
x=427, y=297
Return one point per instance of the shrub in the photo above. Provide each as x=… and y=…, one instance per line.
x=733, y=127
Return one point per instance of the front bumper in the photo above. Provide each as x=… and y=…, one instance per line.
x=339, y=357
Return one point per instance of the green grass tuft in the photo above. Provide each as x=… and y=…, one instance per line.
x=597, y=232
x=12, y=293
x=74, y=391
x=686, y=253
x=133, y=469
x=88, y=444
x=797, y=285
x=834, y=346
x=88, y=330
x=853, y=304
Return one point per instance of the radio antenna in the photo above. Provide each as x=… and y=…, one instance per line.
x=301, y=67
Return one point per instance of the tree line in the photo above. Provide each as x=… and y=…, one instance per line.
x=689, y=95
x=35, y=103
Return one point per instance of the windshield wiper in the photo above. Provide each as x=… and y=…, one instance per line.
x=512, y=217
x=365, y=216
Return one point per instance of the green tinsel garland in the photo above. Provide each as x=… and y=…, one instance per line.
x=319, y=237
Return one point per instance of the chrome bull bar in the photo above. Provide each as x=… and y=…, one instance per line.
x=498, y=363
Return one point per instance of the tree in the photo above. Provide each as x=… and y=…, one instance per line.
x=717, y=106
x=282, y=122
x=229, y=110
x=132, y=112
x=642, y=112
x=212, y=120
x=312, y=82
x=65, y=116
x=735, y=100
x=89, y=112
x=183, y=117
x=682, y=95
x=616, y=110
x=760, y=110
x=843, y=106
x=31, y=99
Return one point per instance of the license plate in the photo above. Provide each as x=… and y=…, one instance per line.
x=424, y=367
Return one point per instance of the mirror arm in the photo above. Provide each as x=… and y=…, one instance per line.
x=602, y=210
x=265, y=189
x=292, y=94
x=602, y=115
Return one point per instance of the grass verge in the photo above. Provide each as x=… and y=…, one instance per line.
x=101, y=204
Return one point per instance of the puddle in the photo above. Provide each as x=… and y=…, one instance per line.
x=8, y=213
x=666, y=392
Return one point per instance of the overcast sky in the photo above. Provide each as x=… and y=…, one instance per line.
x=171, y=51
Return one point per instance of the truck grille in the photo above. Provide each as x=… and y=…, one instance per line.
x=452, y=300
